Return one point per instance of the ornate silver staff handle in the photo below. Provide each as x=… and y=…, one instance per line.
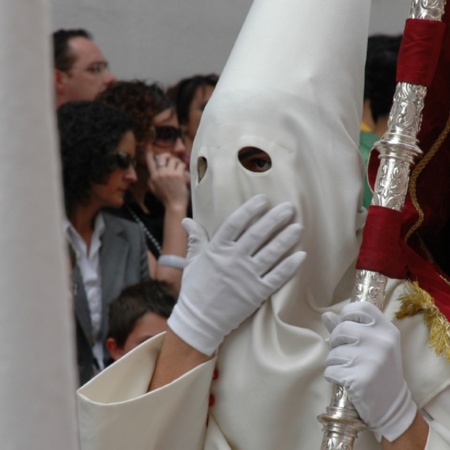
x=398, y=149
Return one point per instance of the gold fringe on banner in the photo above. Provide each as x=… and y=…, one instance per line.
x=416, y=301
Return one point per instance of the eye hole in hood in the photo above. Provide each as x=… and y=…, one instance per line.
x=202, y=166
x=254, y=159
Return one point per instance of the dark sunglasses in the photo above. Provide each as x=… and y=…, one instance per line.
x=166, y=136
x=124, y=160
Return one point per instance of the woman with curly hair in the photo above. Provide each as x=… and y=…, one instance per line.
x=160, y=198
x=97, y=145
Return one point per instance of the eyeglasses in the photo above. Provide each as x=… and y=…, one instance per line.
x=96, y=68
x=166, y=136
x=124, y=160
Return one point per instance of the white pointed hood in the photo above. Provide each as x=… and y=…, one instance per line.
x=292, y=87
x=294, y=91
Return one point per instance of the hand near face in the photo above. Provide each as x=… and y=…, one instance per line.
x=227, y=278
x=168, y=179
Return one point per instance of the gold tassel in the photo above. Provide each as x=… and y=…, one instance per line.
x=416, y=301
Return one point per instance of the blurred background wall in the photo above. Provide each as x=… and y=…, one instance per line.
x=165, y=40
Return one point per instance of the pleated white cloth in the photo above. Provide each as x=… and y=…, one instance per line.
x=37, y=368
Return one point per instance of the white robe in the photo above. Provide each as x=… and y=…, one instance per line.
x=253, y=409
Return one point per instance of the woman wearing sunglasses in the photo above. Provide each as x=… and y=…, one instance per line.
x=159, y=199
x=97, y=146
x=190, y=95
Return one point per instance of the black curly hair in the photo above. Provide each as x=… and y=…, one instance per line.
x=380, y=73
x=184, y=91
x=140, y=100
x=89, y=133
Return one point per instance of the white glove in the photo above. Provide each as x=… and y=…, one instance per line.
x=365, y=357
x=227, y=279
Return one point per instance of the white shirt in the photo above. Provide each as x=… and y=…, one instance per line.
x=88, y=262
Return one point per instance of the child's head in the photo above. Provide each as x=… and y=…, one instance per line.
x=140, y=312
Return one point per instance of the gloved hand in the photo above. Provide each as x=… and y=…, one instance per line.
x=365, y=357
x=227, y=279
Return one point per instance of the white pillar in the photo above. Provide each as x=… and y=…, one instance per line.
x=37, y=364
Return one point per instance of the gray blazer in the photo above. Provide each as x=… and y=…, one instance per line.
x=123, y=261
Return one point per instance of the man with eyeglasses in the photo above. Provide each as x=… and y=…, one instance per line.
x=81, y=70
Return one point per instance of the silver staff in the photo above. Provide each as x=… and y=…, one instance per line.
x=398, y=149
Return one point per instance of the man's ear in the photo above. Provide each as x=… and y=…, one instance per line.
x=114, y=350
x=59, y=80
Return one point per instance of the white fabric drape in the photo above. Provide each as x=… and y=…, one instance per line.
x=292, y=87
x=37, y=364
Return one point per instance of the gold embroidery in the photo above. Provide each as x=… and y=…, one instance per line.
x=416, y=301
x=417, y=171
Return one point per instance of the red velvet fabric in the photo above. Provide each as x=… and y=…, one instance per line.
x=420, y=50
x=380, y=249
x=426, y=215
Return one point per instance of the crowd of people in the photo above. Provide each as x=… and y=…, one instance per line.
x=231, y=328
x=126, y=185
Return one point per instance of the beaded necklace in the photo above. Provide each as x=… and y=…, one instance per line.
x=146, y=231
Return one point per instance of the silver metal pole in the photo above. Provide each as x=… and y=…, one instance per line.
x=398, y=150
